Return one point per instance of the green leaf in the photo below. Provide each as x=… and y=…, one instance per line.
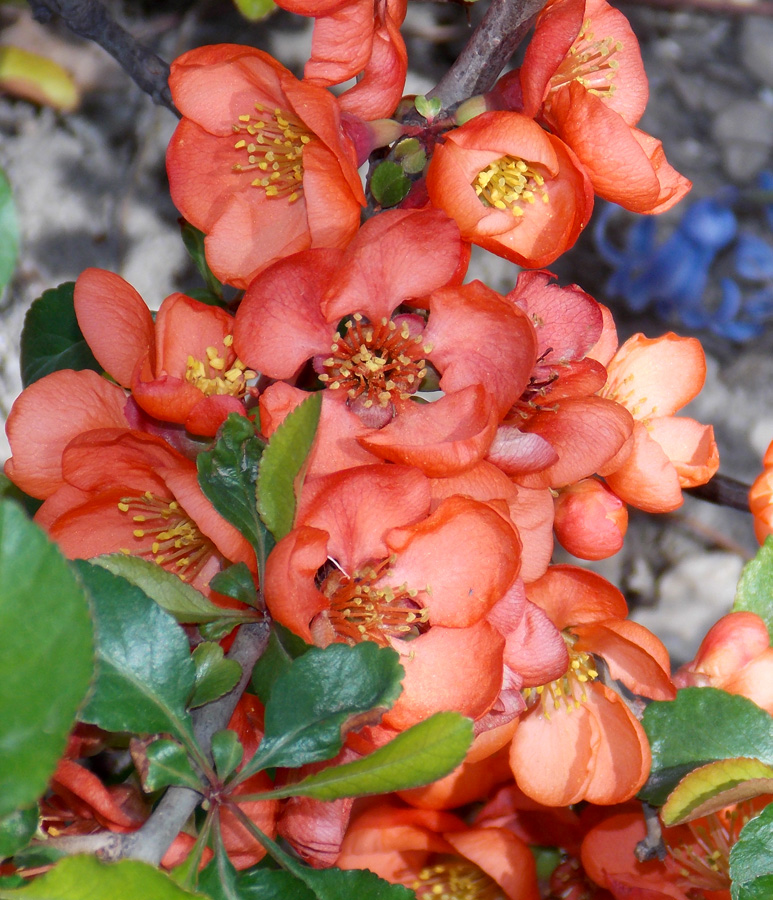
x=47, y=659
x=759, y=889
x=751, y=859
x=389, y=184
x=9, y=491
x=421, y=754
x=17, y=830
x=699, y=726
x=271, y=884
x=283, y=465
x=236, y=581
x=193, y=240
x=215, y=675
x=88, y=878
x=755, y=586
x=715, y=786
x=179, y=599
x=9, y=232
x=168, y=763
x=218, y=879
x=227, y=752
x=427, y=108
x=320, y=697
x=335, y=884
x=282, y=648
x=255, y=10
x=145, y=673
x=51, y=339
x=228, y=475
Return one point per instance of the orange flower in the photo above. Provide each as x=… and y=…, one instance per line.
x=590, y=519
x=181, y=368
x=368, y=561
x=653, y=378
x=357, y=39
x=760, y=497
x=127, y=491
x=735, y=656
x=259, y=161
x=589, y=744
x=512, y=188
x=583, y=74
x=435, y=854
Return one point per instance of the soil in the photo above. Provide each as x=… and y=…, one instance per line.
x=90, y=190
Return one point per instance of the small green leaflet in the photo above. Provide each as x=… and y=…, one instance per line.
x=389, y=184
x=755, y=586
x=751, y=859
x=9, y=232
x=215, y=675
x=282, y=467
x=167, y=763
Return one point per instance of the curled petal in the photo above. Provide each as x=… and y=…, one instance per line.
x=573, y=596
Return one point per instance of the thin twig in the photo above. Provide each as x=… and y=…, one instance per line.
x=151, y=842
x=724, y=491
x=487, y=52
x=90, y=19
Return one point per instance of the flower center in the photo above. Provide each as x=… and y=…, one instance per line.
x=704, y=862
x=510, y=183
x=273, y=147
x=376, y=364
x=219, y=374
x=362, y=610
x=166, y=535
x=591, y=62
x=455, y=880
x=568, y=691
x=623, y=391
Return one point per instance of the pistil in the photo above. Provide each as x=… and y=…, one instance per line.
x=591, y=62
x=510, y=183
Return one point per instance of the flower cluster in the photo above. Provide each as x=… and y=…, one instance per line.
x=461, y=432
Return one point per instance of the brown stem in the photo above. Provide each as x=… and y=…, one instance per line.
x=89, y=19
x=152, y=841
x=724, y=491
x=487, y=52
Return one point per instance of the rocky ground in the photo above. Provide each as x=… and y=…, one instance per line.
x=90, y=190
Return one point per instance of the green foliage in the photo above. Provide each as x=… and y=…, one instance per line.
x=236, y=581
x=17, y=830
x=427, y=108
x=227, y=752
x=47, y=659
x=175, y=596
x=320, y=696
x=699, y=726
x=755, y=586
x=51, y=338
x=144, y=673
x=168, y=763
x=389, y=184
x=215, y=675
x=193, y=240
x=87, y=878
x=228, y=475
x=421, y=754
x=9, y=232
x=271, y=884
x=751, y=859
x=282, y=467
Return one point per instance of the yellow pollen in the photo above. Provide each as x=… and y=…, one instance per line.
x=375, y=363
x=221, y=373
x=510, y=184
x=279, y=139
x=590, y=62
x=568, y=691
x=172, y=539
x=451, y=878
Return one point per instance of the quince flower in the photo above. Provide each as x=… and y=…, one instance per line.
x=653, y=378
x=256, y=148
x=583, y=74
x=511, y=187
x=589, y=743
x=181, y=368
x=367, y=560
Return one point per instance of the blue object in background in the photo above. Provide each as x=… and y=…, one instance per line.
x=671, y=278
